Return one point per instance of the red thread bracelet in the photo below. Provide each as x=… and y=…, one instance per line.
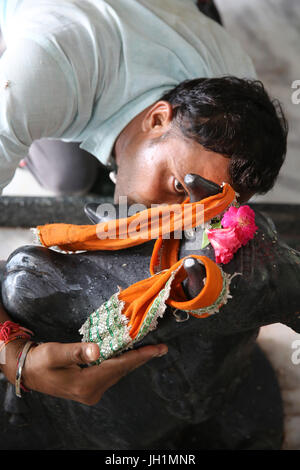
x=14, y=338
x=10, y=329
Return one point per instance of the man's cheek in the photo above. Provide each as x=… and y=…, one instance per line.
x=126, y=188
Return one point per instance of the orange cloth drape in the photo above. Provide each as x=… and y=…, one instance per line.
x=139, y=297
x=124, y=231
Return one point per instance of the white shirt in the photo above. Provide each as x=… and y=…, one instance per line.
x=81, y=70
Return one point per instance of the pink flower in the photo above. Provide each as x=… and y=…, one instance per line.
x=238, y=228
x=225, y=243
x=243, y=220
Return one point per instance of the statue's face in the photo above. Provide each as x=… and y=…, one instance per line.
x=153, y=157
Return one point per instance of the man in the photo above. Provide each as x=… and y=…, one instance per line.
x=122, y=78
x=81, y=71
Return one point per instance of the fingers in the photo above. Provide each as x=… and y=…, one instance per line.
x=112, y=370
x=134, y=359
x=96, y=380
x=194, y=282
x=127, y=362
x=200, y=188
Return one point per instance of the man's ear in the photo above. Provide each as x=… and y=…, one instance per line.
x=158, y=118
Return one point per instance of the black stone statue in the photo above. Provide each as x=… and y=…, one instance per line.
x=215, y=389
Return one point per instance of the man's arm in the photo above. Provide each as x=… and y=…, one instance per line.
x=36, y=101
x=52, y=368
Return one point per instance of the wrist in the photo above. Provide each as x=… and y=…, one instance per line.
x=19, y=383
x=13, y=338
x=10, y=354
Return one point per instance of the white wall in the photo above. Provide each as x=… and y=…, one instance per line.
x=269, y=31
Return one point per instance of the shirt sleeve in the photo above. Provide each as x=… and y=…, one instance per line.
x=36, y=101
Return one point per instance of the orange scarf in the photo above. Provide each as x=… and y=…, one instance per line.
x=133, y=312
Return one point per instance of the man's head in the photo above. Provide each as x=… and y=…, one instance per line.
x=224, y=129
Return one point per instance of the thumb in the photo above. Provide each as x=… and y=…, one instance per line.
x=68, y=354
x=90, y=352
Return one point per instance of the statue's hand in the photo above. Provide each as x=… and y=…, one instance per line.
x=52, y=368
x=194, y=282
x=200, y=188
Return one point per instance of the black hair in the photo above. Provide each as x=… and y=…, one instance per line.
x=237, y=118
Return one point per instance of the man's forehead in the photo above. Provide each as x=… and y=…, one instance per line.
x=207, y=164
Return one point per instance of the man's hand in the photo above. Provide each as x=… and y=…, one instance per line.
x=52, y=368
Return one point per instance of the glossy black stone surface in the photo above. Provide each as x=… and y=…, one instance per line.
x=214, y=390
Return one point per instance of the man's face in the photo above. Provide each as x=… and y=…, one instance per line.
x=153, y=157
x=153, y=173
